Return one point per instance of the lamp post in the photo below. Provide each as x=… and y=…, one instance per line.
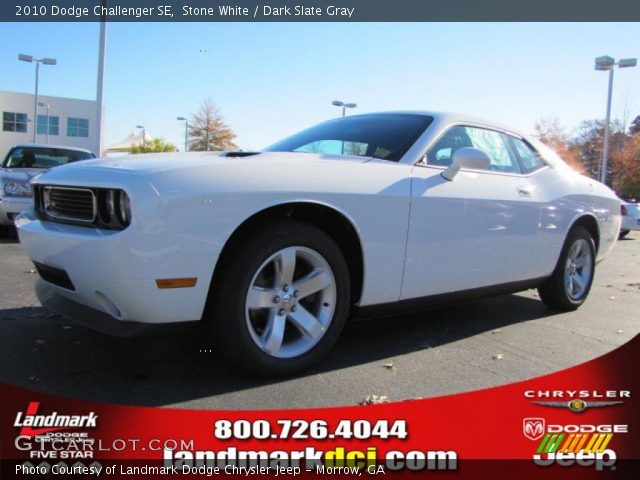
x=344, y=106
x=42, y=104
x=608, y=63
x=144, y=134
x=186, y=131
x=46, y=61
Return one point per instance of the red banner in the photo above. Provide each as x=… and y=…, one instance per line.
x=582, y=421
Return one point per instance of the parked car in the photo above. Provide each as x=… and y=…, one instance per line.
x=21, y=164
x=365, y=215
x=630, y=218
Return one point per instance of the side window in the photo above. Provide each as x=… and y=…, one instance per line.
x=494, y=144
x=442, y=152
x=530, y=160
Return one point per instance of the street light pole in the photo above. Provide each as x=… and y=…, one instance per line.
x=35, y=105
x=339, y=103
x=100, y=81
x=47, y=61
x=186, y=131
x=607, y=131
x=608, y=63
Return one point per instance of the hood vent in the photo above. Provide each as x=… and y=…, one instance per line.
x=240, y=154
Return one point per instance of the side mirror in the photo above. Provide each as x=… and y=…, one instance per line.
x=466, y=157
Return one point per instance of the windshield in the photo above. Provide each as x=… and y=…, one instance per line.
x=387, y=136
x=43, y=157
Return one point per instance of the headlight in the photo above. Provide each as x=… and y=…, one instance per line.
x=125, y=208
x=114, y=208
x=17, y=189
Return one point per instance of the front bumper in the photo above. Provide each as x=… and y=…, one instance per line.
x=114, y=273
x=51, y=299
x=10, y=207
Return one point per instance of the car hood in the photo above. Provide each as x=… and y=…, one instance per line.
x=19, y=174
x=150, y=162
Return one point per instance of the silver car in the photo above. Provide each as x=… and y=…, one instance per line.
x=21, y=164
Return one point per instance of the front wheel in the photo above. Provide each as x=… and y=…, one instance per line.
x=569, y=285
x=280, y=299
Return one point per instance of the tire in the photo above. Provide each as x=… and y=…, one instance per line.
x=279, y=329
x=623, y=233
x=570, y=283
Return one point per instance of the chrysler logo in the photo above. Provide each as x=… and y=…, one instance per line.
x=533, y=428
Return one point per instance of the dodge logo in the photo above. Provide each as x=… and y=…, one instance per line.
x=533, y=428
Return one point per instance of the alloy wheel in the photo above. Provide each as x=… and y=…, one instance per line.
x=578, y=269
x=290, y=302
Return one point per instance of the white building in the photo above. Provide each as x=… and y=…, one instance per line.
x=71, y=121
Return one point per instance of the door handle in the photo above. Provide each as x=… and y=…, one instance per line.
x=525, y=191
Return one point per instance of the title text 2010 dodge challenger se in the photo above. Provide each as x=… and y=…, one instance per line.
x=274, y=250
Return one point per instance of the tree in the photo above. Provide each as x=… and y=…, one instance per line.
x=583, y=151
x=588, y=145
x=635, y=126
x=208, y=130
x=553, y=134
x=626, y=165
x=154, y=145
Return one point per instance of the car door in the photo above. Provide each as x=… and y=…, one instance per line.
x=475, y=231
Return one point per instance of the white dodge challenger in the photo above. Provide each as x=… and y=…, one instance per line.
x=366, y=215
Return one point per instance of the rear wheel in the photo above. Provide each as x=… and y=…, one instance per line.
x=280, y=299
x=623, y=233
x=569, y=285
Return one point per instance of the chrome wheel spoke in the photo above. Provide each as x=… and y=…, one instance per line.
x=274, y=333
x=308, y=325
x=582, y=261
x=315, y=281
x=579, y=282
x=575, y=250
x=568, y=284
x=260, y=297
x=285, y=267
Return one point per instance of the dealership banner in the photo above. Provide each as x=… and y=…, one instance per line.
x=317, y=10
x=582, y=422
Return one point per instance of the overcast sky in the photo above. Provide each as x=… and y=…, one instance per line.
x=271, y=80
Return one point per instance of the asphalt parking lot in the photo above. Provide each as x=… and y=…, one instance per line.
x=454, y=349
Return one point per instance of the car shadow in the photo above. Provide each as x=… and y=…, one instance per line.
x=47, y=353
x=9, y=239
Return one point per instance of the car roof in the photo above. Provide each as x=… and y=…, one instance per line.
x=41, y=145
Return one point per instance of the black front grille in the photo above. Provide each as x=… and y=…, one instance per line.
x=66, y=203
x=54, y=275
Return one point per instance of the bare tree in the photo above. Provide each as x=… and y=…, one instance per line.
x=208, y=131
